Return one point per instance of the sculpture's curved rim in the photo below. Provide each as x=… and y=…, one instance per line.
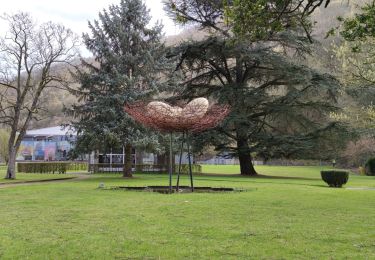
x=214, y=115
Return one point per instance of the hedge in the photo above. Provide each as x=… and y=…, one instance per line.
x=63, y=167
x=51, y=167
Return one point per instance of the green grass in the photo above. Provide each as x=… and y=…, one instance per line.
x=276, y=218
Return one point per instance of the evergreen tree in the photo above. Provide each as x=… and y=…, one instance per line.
x=279, y=105
x=129, y=65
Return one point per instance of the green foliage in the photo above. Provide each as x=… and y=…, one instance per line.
x=335, y=178
x=253, y=20
x=361, y=26
x=279, y=105
x=370, y=167
x=356, y=54
x=43, y=167
x=260, y=19
x=4, y=138
x=356, y=65
x=50, y=167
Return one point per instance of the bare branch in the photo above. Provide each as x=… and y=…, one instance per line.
x=29, y=60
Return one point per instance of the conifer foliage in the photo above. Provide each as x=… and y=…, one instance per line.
x=279, y=105
x=129, y=64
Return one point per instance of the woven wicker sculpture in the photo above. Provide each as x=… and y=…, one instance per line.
x=196, y=116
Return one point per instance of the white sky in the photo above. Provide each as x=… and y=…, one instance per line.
x=75, y=14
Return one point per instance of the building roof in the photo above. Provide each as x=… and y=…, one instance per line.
x=51, y=131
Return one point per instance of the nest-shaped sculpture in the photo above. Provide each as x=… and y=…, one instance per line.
x=196, y=116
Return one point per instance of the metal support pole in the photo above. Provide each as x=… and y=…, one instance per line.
x=110, y=161
x=180, y=161
x=189, y=159
x=170, y=163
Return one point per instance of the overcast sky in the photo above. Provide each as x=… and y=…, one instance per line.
x=75, y=14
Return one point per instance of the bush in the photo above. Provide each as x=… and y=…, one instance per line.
x=335, y=178
x=370, y=167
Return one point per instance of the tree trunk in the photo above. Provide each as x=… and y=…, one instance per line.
x=244, y=157
x=11, y=170
x=127, y=172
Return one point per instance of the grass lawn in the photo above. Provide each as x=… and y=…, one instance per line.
x=278, y=217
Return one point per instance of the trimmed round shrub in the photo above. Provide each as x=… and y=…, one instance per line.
x=370, y=167
x=335, y=178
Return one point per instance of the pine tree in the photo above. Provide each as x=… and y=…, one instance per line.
x=129, y=64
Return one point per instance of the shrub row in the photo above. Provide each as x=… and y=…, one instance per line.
x=77, y=166
x=51, y=167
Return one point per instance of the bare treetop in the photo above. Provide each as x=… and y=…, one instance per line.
x=29, y=55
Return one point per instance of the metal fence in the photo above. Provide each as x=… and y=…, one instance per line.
x=141, y=168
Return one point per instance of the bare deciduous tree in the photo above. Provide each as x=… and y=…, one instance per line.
x=29, y=55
